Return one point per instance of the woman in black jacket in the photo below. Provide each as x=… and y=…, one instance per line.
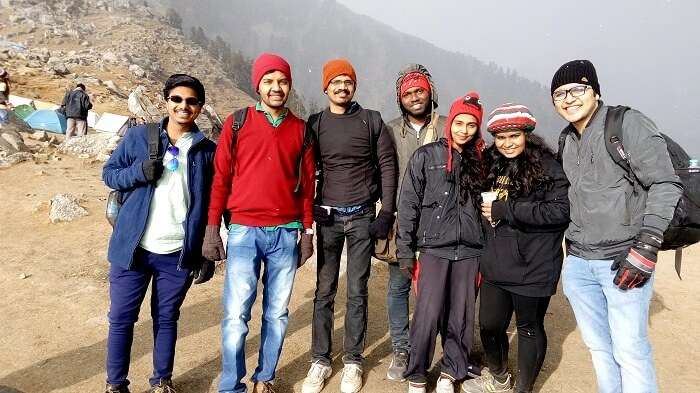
x=439, y=216
x=523, y=256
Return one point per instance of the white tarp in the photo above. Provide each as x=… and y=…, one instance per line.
x=45, y=105
x=92, y=119
x=111, y=123
x=17, y=101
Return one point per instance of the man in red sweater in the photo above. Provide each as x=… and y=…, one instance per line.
x=265, y=181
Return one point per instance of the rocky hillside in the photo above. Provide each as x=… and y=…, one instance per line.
x=111, y=46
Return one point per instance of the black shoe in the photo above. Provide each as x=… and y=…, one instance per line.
x=164, y=386
x=116, y=389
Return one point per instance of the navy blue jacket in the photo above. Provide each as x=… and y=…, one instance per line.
x=123, y=172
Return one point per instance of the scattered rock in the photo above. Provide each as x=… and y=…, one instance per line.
x=66, y=207
x=137, y=71
x=23, y=276
x=114, y=89
x=40, y=136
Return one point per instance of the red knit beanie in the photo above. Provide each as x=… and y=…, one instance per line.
x=508, y=117
x=414, y=79
x=469, y=104
x=267, y=63
x=335, y=68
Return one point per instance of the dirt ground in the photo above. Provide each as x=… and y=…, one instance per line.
x=54, y=302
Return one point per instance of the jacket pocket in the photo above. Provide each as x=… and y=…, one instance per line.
x=502, y=261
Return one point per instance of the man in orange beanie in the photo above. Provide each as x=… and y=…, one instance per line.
x=357, y=162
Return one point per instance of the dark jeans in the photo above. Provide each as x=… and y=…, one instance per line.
x=446, y=301
x=331, y=238
x=397, y=307
x=127, y=289
x=495, y=311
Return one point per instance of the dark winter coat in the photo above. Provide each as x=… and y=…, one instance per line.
x=524, y=252
x=77, y=104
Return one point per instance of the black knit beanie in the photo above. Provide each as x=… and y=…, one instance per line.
x=576, y=71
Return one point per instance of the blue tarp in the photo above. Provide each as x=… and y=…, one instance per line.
x=45, y=119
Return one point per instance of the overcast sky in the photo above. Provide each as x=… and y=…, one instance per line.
x=647, y=53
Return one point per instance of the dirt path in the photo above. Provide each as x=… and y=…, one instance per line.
x=53, y=323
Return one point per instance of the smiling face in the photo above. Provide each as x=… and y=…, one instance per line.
x=510, y=143
x=577, y=110
x=415, y=101
x=463, y=129
x=341, y=90
x=182, y=112
x=274, y=89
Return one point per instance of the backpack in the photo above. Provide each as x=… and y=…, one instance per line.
x=239, y=118
x=684, y=228
x=115, y=197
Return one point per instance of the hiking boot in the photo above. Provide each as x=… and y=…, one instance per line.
x=444, y=385
x=163, y=386
x=263, y=387
x=399, y=362
x=486, y=383
x=316, y=377
x=351, y=381
x=116, y=389
x=416, y=387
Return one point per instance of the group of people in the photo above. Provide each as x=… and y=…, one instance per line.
x=466, y=221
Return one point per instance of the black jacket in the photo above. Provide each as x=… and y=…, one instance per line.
x=356, y=159
x=77, y=104
x=523, y=253
x=430, y=218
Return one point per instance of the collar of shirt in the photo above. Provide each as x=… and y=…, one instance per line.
x=274, y=122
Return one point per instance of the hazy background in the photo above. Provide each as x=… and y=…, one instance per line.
x=647, y=53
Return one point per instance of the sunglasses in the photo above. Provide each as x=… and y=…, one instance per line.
x=192, y=101
x=172, y=164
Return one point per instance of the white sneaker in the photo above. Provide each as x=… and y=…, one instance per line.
x=444, y=385
x=351, y=382
x=415, y=387
x=486, y=383
x=316, y=377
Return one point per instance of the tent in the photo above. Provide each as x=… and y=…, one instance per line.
x=45, y=105
x=24, y=110
x=48, y=120
x=112, y=123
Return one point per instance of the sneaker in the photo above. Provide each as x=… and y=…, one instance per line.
x=163, y=386
x=444, y=385
x=486, y=383
x=263, y=387
x=116, y=389
x=316, y=377
x=399, y=362
x=416, y=387
x=351, y=381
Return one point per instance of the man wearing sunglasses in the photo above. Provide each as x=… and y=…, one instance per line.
x=357, y=163
x=616, y=228
x=264, y=179
x=158, y=234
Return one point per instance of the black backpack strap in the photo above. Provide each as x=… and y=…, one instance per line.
x=562, y=142
x=373, y=121
x=239, y=117
x=614, y=140
x=153, y=130
x=307, y=142
x=313, y=127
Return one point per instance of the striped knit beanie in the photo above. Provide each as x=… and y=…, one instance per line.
x=509, y=117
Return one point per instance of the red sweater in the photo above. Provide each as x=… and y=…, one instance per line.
x=260, y=191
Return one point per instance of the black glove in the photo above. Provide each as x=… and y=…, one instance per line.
x=306, y=248
x=635, y=267
x=152, y=169
x=407, y=265
x=205, y=272
x=322, y=216
x=212, y=247
x=380, y=227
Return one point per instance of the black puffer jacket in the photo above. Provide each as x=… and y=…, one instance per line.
x=523, y=253
x=430, y=218
x=77, y=104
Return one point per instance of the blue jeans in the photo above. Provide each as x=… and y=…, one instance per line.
x=247, y=248
x=127, y=289
x=397, y=307
x=613, y=325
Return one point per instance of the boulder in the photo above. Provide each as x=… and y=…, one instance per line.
x=66, y=207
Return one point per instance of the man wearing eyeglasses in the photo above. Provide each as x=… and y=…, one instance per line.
x=357, y=163
x=616, y=229
x=158, y=233
x=264, y=178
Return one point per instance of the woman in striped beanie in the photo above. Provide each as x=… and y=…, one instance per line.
x=523, y=255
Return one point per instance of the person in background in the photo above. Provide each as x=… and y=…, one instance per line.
x=76, y=105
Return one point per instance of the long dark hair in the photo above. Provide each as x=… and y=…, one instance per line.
x=471, y=170
x=525, y=171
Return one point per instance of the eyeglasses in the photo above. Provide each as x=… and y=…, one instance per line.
x=576, y=91
x=341, y=83
x=171, y=156
x=192, y=101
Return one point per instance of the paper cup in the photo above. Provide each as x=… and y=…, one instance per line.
x=489, y=196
